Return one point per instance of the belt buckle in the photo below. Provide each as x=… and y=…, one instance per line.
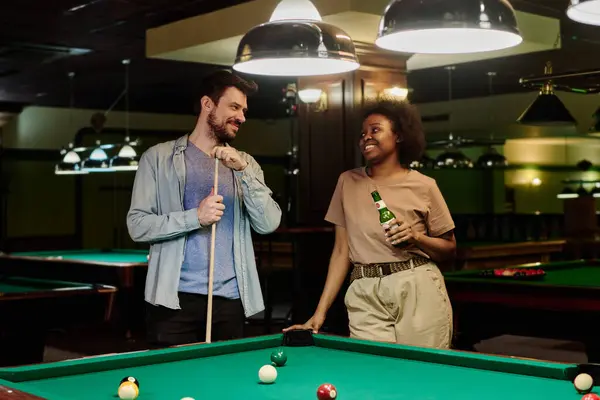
x=386, y=270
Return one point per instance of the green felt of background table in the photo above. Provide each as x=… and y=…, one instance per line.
x=360, y=370
x=580, y=273
x=112, y=256
x=15, y=284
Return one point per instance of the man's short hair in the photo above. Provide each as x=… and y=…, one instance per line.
x=215, y=84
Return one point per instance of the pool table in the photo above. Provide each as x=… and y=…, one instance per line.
x=483, y=255
x=124, y=269
x=561, y=304
x=359, y=370
x=28, y=307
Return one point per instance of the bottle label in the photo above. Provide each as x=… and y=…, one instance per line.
x=380, y=204
x=385, y=222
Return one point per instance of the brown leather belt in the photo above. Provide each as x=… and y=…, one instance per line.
x=379, y=270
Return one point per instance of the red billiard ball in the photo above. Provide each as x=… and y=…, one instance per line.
x=326, y=392
x=591, y=396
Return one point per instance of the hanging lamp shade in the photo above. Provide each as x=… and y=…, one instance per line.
x=581, y=192
x=70, y=163
x=547, y=110
x=492, y=159
x=567, y=193
x=97, y=161
x=448, y=26
x=453, y=158
x=584, y=11
x=126, y=160
x=424, y=162
x=295, y=42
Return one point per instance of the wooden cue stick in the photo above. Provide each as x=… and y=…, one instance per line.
x=212, y=264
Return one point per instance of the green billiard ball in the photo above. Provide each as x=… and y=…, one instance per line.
x=278, y=357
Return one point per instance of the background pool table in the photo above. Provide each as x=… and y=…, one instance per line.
x=29, y=307
x=298, y=258
x=483, y=255
x=124, y=269
x=563, y=304
x=359, y=370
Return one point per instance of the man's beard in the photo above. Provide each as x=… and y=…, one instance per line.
x=219, y=131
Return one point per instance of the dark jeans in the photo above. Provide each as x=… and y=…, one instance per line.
x=168, y=327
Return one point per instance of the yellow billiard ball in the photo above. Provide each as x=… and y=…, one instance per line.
x=129, y=389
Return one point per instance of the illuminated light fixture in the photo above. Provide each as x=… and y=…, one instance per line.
x=70, y=164
x=295, y=42
x=596, y=191
x=97, y=161
x=448, y=27
x=295, y=9
x=567, y=193
x=584, y=11
x=310, y=95
x=126, y=160
x=547, y=109
x=397, y=92
x=452, y=158
x=424, y=162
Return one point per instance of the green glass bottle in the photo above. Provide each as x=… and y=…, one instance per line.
x=385, y=215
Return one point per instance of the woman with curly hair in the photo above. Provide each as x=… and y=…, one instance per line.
x=397, y=293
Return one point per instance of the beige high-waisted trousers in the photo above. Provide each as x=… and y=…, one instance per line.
x=409, y=307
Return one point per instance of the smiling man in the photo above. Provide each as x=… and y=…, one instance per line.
x=173, y=207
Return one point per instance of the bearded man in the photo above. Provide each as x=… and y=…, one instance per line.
x=173, y=208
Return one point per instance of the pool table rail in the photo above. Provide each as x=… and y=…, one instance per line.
x=497, y=363
x=67, y=289
x=50, y=256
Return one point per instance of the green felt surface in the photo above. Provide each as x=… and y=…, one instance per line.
x=359, y=370
x=19, y=285
x=578, y=273
x=115, y=256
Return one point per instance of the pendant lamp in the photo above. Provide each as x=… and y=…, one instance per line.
x=295, y=42
x=70, y=163
x=547, y=109
x=448, y=26
x=585, y=11
x=97, y=161
x=492, y=159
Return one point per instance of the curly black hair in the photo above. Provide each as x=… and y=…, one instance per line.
x=406, y=123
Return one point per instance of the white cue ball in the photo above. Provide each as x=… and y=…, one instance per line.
x=188, y=398
x=583, y=383
x=267, y=374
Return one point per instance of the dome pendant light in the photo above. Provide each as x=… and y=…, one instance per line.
x=585, y=11
x=547, y=109
x=448, y=26
x=295, y=42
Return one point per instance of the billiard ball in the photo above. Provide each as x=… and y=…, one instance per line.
x=279, y=358
x=267, y=374
x=187, y=398
x=591, y=396
x=129, y=388
x=326, y=392
x=583, y=383
x=132, y=380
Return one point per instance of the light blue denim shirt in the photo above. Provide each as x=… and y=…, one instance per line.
x=157, y=216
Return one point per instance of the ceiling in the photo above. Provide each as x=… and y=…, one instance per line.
x=42, y=41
